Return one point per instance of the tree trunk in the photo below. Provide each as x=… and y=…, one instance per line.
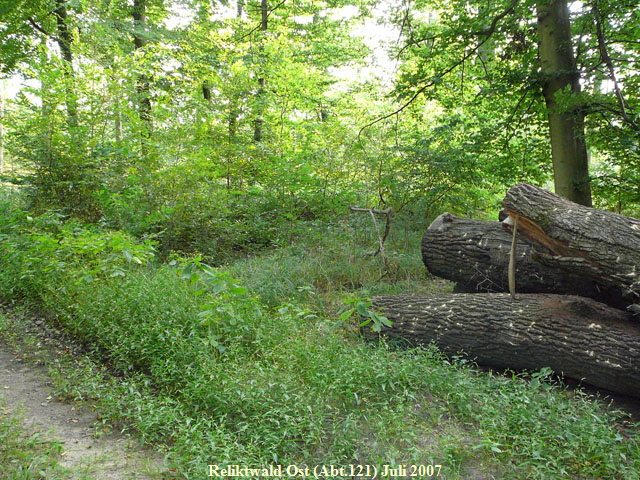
x=118, y=123
x=206, y=92
x=64, y=40
x=143, y=83
x=475, y=254
x=566, y=127
x=576, y=337
x=259, y=120
x=1, y=126
x=600, y=245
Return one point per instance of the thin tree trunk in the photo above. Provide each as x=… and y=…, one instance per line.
x=1, y=126
x=259, y=121
x=606, y=58
x=234, y=111
x=206, y=92
x=143, y=88
x=118, y=124
x=65, y=40
x=566, y=127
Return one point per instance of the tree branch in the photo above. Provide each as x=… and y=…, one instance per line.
x=259, y=26
x=511, y=134
x=604, y=54
x=436, y=79
x=39, y=28
x=386, y=211
x=381, y=238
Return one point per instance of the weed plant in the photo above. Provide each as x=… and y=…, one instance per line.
x=25, y=455
x=224, y=374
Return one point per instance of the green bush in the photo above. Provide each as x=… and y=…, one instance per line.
x=204, y=365
x=46, y=253
x=192, y=211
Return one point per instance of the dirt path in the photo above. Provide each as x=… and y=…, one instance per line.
x=25, y=388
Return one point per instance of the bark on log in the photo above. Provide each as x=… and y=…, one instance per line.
x=602, y=245
x=475, y=254
x=576, y=337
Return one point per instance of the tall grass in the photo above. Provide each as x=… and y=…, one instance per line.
x=268, y=375
x=329, y=260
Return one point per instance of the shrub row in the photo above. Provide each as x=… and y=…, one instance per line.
x=202, y=364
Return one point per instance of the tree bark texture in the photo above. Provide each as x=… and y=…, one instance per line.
x=600, y=245
x=566, y=127
x=475, y=255
x=143, y=88
x=258, y=123
x=577, y=337
x=64, y=39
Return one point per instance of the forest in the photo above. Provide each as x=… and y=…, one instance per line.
x=204, y=197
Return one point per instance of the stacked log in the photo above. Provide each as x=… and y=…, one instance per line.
x=475, y=255
x=575, y=336
x=577, y=274
x=601, y=245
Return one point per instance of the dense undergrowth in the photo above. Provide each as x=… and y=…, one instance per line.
x=253, y=364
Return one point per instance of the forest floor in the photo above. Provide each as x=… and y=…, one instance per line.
x=428, y=410
x=89, y=451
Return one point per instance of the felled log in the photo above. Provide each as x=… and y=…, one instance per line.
x=577, y=337
x=601, y=245
x=475, y=255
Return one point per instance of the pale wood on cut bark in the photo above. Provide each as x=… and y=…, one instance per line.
x=599, y=244
x=475, y=254
x=577, y=337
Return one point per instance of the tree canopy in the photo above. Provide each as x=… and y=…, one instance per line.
x=161, y=116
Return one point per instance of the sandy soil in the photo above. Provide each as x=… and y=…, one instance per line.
x=26, y=389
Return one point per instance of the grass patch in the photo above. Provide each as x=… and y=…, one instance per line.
x=26, y=456
x=331, y=260
x=188, y=357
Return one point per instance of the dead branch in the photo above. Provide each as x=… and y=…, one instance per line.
x=381, y=238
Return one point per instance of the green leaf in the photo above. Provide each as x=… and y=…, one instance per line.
x=362, y=308
x=238, y=290
x=384, y=321
x=217, y=287
x=366, y=322
x=346, y=315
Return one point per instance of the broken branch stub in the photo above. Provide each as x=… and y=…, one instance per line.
x=602, y=245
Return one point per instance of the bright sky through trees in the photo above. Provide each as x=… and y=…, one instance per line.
x=461, y=104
